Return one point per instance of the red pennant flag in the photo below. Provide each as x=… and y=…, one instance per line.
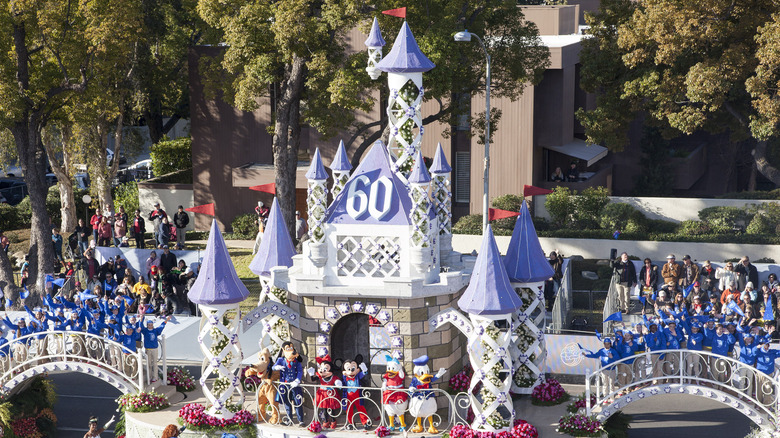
x=497, y=213
x=533, y=191
x=399, y=12
x=265, y=188
x=203, y=209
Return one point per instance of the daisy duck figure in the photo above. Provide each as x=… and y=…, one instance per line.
x=354, y=371
x=394, y=398
x=327, y=398
x=423, y=403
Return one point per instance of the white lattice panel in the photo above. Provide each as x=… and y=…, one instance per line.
x=364, y=256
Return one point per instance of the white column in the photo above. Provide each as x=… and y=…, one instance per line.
x=405, y=119
x=490, y=358
x=220, y=345
x=528, y=349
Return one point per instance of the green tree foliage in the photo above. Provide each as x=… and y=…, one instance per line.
x=298, y=49
x=171, y=155
x=126, y=195
x=689, y=66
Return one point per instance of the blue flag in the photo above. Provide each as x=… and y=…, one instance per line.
x=49, y=278
x=769, y=313
x=616, y=235
x=8, y=303
x=688, y=290
x=643, y=300
x=59, y=282
x=617, y=317
x=735, y=308
x=84, y=296
x=25, y=293
x=129, y=301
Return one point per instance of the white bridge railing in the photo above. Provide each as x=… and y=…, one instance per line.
x=364, y=408
x=701, y=373
x=57, y=351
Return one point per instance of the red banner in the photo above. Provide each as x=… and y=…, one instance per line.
x=399, y=12
x=203, y=209
x=497, y=213
x=266, y=188
x=532, y=191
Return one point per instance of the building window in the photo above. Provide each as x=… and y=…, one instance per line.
x=463, y=177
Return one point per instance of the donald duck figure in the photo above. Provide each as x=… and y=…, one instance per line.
x=394, y=398
x=423, y=403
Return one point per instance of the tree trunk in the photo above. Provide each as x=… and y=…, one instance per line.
x=762, y=164
x=286, y=139
x=32, y=158
x=65, y=183
x=7, y=283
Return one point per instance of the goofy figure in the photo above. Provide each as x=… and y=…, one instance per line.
x=423, y=403
x=290, y=372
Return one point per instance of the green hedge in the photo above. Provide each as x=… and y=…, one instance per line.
x=171, y=155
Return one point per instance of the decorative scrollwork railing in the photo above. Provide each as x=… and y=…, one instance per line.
x=364, y=407
x=702, y=373
x=91, y=354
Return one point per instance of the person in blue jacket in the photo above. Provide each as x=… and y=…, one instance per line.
x=695, y=362
x=765, y=363
x=151, y=337
x=675, y=339
x=748, y=350
x=721, y=342
x=606, y=356
x=627, y=349
x=5, y=352
x=128, y=340
x=655, y=341
x=18, y=330
x=290, y=372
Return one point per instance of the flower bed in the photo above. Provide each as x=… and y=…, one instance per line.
x=194, y=416
x=520, y=429
x=580, y=425
x=460, y=382
x=181, y=379
x=143, y=402
x=580, y=403
x=549, y=393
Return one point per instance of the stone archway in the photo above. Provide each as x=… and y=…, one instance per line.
x=350, y=337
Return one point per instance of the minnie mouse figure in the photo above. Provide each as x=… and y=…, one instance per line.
x=327, y=398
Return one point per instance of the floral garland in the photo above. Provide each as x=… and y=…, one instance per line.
x=580, y=403
x=382, y=432
x=549, y=393
x=28, y=426
x=520, y=429
x=525, y=337
x=527, y=296
x=181, y=379
x=194, y=416
x=143, y=402
x=580, y=425
x=314, y=427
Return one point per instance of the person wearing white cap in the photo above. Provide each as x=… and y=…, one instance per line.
x=671, y=272
x=151, y=337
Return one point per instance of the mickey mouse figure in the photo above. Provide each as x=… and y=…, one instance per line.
x=327, y=399
x=353, y=371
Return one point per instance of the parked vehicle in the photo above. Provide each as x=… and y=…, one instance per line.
x=139, y=171
x=13, y=190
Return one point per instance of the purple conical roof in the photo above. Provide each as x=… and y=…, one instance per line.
x=375, y=36
x=525, y=261
x=440, y=164
x=316, y=169
x=374, y=167
x=489, y=291
x=217, y=282
x=276, y=248
x=340, y=161
x=405, y=56
x=419, y=173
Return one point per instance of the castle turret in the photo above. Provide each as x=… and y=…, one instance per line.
x=527, y=268
x=316, y=202
x=340, y=168
x=218, y=291
x=490, y=302
x=442, y=202
x=404, y=66
x=375, y=42
x=421, y=242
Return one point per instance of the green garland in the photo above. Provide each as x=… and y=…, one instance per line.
x=408, y=94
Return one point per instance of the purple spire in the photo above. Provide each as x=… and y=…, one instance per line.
x=489, y=291
x=276, y=248
x=405, y=56
x=217, y=282
x=440, y=164
x=340, y=161
x=419, y=173
x=375, y=36
x=525, y=261
x=316, y=169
